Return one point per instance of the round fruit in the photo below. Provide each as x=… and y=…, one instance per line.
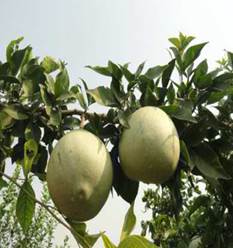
x=149, y=149
x=79, y=175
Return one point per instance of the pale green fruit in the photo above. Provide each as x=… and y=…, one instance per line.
x=79, y=175
x=149, y=149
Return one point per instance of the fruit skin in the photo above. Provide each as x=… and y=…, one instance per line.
x=79, y=175
x=149, y=149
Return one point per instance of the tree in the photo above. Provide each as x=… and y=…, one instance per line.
x=39, y=234
x=36, y=110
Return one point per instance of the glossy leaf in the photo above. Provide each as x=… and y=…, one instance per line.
x=192, y=54
x=155, y=72
x=166, y=74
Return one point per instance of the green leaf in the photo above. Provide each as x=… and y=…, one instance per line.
x=15, y=112
x=148, y=98
x=25, y=206
x=128, y=75
x=30, y=152
x=136, y=241
x=203, y=81
x=207, y=162
x=76, y=92
x=107, y=242
x=200, y=201
x=55, y=117
x=129, y=223
x=103, y=96
x=192, y=54
x=155, y=72
x=101, y=70
x=123, y=118
x=70, y=122
x=115, y=70
x=166, y=74
x=45, y=96
x=175, y=41
x=3, y=183
x=125, y=187
x=184, y=111
x=171, y=94
x=184, y=151
x=62, y=83
x=80, y=234
x=139, y=69
x=5, y=120
x=11, y=48
x=18, y=59
x=49, y=64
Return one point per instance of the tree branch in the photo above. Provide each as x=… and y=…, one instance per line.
x=70, y=228
x=88, y=115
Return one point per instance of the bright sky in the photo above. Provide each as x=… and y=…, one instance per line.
x=91, y=32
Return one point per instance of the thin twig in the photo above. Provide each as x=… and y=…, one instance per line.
x=70, y=228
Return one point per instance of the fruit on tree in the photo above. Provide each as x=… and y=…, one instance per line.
x=149, y=149
x=79, y=175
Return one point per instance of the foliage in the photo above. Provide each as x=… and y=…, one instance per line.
x=41, y=230
x=36, y=100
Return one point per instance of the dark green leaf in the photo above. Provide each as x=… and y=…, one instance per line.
x=171, y=94
x=123, y=118
x=128, y=75
x=185, y=111
x=139, y=69
x=155, y=72
x=184, y=151
x=3, y=183
x=166, y=74
x=192, y=54
x=101, y=70
x=115, y=70
x=70, y=122
x=25, y=206
x=124, y=186
x=207, y=161
x=200, y=201
x=148, y=98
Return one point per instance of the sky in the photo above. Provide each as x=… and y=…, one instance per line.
x=91, y=32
